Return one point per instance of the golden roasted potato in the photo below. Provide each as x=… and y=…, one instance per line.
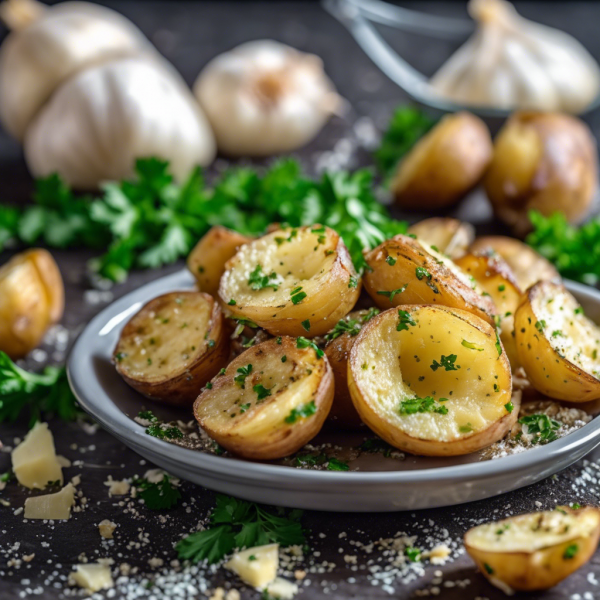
x=403, y=270
x=32, y=298
x=339, y=343
x=534, y=551
x=557, y=344
x=495, y=277
x=173, y=346
x=271, y=400
x=295, y=281
x=450, y=236
x=445, y=164
x=207, y=259
x=432, y=380
x=527, y=265
x=542, y=161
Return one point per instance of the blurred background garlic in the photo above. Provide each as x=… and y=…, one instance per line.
x=264, y=98
x=46, y=58
x=97, y=123
x=511, y=62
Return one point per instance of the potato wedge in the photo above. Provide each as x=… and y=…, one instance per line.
x=558, y=346
x=407, y=271
x=432, y=380
x=534, y=551
x=527, y=265
x=271, y=400
x=542, y=161
x=173, y=346
x=31, y=300
x=207, y=259
x=339, y=343
x=444, y=164
x=450, y=236
x=495, y=277
x=296, y=281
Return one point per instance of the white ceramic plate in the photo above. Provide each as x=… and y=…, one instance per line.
x=415, y=483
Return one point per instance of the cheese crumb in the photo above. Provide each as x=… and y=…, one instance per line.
x=34, y=460
x=282, y=589
x=155, y=563
x=438, y=555
x=107, y=529
x=117, y=488
x=256, y=566
x=93, y=577
x=51, y=506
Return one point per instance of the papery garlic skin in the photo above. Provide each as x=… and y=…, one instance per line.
x=265, y=98
x=97, y=123
x=60, y=41
x=512, y=63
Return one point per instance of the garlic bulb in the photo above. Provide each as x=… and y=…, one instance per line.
x=48, y=45
x=264, y=98
x=98, y=122
x=511, y=63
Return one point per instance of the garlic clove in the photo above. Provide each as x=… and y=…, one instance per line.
x=264, y=98
x=49, y=45
x=511, y=63
x=97, y=123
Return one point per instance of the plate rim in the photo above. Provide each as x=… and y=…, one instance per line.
x=116, y=422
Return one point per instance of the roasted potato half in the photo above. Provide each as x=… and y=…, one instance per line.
x=432, y=380
x=295, y=281
x=450, y=236
x=207, y=259
x=403, y=270
x=534, y=551
x=558, y=346
x=495, y=277
x=527, y=265
x=542, y=161
x=271, y=400
x=32, y=298
x=445, y=164
x=173, y=346
x=339, y=343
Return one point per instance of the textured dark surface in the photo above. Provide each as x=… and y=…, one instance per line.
x=189, y=34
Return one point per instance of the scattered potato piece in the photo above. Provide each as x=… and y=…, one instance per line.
x=256, y=566
x=297, y=281
x=450, y=236
x=557, y=344
x=534, y=551
x=173, y=346
x=51, y=506
x=31, y=300
x=208, y=257
x=271, y=400
x=92, y=576
x=432, y=380
x=34, y=460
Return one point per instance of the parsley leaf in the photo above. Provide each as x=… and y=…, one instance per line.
x=261, y=391
x=541, y=426
x=43, y=393
x=158, y=496
x=334, y=464
x=448, y=362
x=243, y=373
x=412, y=406
x=240, y=524
x=301, y=412
x=404, y=320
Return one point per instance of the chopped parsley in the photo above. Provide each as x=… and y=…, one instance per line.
x=404, y=320
x=306, y=325
x=232, y=302
x=351, y=326
x=333, y=464
x=466, y=428
x=259, y=281
x=297, y=295
x=243, y=373
x=540, y=325
x=302, y=342
x=390, y=261
x=541, y=426
x=301, y=412
x=412, y=406
x=413, y=554
x=447, y=362
x=570, y=551
x=509, y=406
x=261, y=391
x=353, y=281
x=164, y=433
x=471, y=346
x=488, y=569
x=393, y=293
x=422, y=272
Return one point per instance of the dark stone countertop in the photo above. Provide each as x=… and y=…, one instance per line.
x=189, y=34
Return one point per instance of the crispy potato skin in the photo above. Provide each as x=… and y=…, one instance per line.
x=535, y=570
x=443, y=288
x=31, y=300
x=377, y=343
x=445, y=164
x=545, y=162
x=450, y=236
x=496, y=278
x=314, y=259
x=183, y=380
x=260, y=431
x=550, y=373
x=207, y=260
x=527, y=265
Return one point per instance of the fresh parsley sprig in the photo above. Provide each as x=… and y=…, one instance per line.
x=36, y=393
x=161, y=495
x=240, y=524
